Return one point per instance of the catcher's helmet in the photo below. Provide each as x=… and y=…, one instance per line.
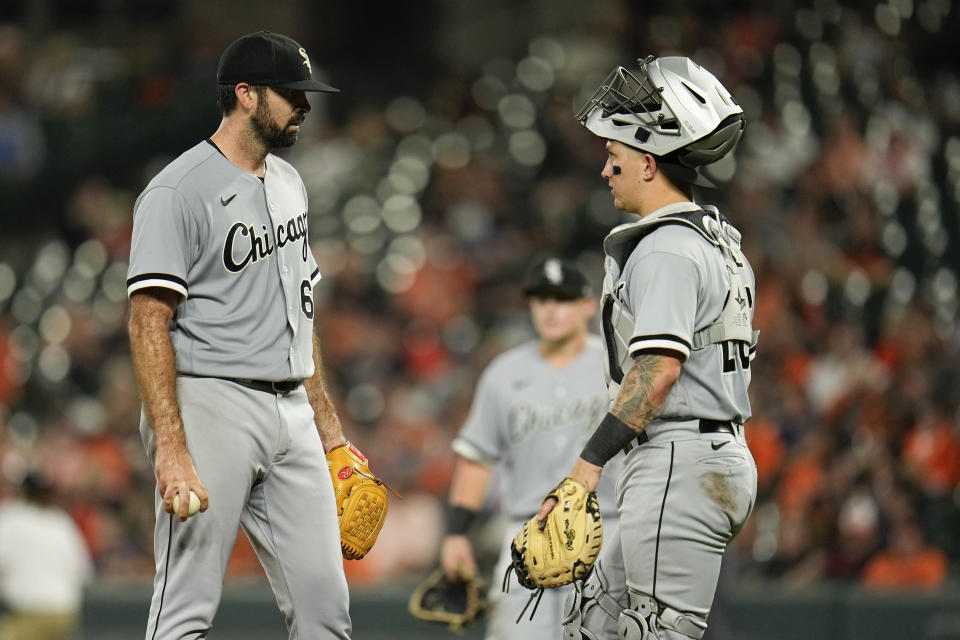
x=667, y=107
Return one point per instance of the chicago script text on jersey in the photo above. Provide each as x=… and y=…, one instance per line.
x=253, y=246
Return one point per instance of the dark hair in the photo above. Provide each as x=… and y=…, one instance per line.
x=37, y=488
x=227, y=97
x=679, y=175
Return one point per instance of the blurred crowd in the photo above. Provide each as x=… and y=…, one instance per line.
x=427, y=203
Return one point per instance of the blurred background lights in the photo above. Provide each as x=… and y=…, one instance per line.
x=365, y=402
x=461, y=335
x=479, y=132
x=416, y=146
x=25, y=341
x=50, y=263
x=535, y=74
x=470, y=221
x=26, y=306
x=903, y=285
x=528, y=147
x=90, y=258
x=55, y=324
x=814, y=287
x=857, y=287
x=487, y=92
x=114, y=282
x=405, y=114
x=362, y=214
x=410, y=247
x=517, y=111
x=549, y=50
x=8, y=282
x=452, y=150
x=53, y=363
x=401, y=213
x=77, y=286
x=396, y=272
x=894, y=239
x=413, y=169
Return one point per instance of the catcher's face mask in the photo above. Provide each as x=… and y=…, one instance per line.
x=626, y=92
x=665, y=106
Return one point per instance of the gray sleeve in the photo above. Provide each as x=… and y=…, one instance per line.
x=163, y=243
x=664, y=289
x=482, y=437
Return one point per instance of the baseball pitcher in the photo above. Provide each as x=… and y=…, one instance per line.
x=236, y=418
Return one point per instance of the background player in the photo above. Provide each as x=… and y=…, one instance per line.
x=221, y=333
x=532, y=411
x=677, y=310
x=44, y=565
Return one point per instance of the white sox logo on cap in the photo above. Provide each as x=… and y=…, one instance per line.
x=306, y=59
x=553, y=270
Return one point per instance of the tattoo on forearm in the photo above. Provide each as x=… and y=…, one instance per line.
x=639, y=399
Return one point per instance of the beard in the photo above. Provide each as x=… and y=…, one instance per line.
x=269, y=132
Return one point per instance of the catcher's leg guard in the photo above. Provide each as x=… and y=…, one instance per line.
x=587, y=596
x=646, y=616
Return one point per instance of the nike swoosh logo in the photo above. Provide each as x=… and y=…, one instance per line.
x=226, y=201
x=717, y=445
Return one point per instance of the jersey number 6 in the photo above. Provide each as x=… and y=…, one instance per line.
x=306, y=299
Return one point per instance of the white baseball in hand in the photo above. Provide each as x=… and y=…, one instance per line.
x=192, y=509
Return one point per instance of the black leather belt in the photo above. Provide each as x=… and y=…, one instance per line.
x=706, y=426
x=284, y=386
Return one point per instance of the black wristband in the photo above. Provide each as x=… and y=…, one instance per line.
x=459, y=519
x=610, y=436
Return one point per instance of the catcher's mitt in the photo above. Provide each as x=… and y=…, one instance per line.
x=566, y=547
x=361, y=500
x=456, y=603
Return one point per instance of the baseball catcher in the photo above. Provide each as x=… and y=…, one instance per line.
x=563, y=546
x=456, y=603
x=361, y=500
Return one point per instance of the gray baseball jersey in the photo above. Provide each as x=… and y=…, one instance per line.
x=675, y=283
x=235, y=247
x=534, y=419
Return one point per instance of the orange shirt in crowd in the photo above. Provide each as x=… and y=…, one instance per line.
x=924, y=569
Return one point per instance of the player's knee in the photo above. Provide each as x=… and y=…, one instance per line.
x=589, y=608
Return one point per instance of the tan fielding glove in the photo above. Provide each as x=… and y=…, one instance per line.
x=567, y=546
x=361, y=500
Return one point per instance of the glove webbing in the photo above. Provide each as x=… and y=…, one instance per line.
x=538, y=592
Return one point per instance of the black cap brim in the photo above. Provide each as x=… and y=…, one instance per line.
x=560, y=293
x=307, y=85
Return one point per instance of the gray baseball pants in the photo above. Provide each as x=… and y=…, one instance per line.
x=682, y=497
x=262, y=462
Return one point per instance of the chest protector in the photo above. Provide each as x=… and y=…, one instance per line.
x=734, y=321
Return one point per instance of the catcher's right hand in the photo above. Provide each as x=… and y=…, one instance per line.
x=564, y=546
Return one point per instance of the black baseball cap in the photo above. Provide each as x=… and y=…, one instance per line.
x=558, y=278
x=271, y=59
